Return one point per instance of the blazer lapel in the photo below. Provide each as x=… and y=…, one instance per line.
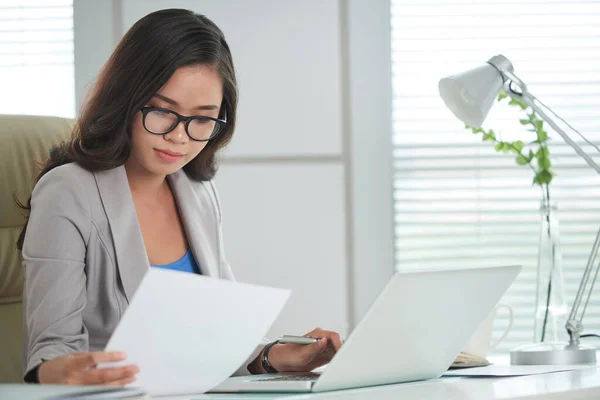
x=199, y=221
x=132, y=259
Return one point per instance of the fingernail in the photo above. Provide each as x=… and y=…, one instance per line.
x=122, y=355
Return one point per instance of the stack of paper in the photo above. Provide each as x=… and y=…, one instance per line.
x=466, y=360
x=515, y=370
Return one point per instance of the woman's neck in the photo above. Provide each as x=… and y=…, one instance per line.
x=145, y=184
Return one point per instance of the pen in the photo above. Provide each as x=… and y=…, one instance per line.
x=285, y=339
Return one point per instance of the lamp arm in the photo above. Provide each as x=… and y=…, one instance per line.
x=531, y=103
x=573, y=325
x=506, y=71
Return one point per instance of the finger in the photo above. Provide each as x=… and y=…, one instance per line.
x=333, y=338
x=80, y=361
x=314, y=332
x=103, y=376
x=309, y=352
x=122, y=382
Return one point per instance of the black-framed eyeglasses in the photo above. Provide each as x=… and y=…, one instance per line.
x=160, y=121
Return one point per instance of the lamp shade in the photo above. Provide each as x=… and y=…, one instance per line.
x=470, y=95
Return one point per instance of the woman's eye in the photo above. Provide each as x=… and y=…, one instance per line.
x=160, y=113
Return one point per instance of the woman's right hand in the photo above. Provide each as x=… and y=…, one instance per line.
x=80, y=369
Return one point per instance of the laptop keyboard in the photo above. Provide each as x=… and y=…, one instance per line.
x=311, y=377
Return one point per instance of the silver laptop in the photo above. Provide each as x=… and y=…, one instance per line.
x=413, y=331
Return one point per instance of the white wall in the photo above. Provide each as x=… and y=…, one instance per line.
x=95, y=33
x=306, y=183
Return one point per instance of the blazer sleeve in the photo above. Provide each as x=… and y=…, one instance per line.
x=54, y=253
x=227, y=273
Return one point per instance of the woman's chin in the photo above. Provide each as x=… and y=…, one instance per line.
x=165, y=169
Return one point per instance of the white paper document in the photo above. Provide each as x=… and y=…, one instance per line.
x=188, y=333
x=513, y=370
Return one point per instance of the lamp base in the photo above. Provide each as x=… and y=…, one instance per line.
x=558, y=353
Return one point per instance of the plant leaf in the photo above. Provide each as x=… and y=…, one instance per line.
x=499, y=146
x=520, y=103
x=544, y=163
x=518, y=145
x=522, y=160
x=502, y=95
x=491, y=135
x=542, y=152
x=545, y=176
x=524, y=121
x=539, y=124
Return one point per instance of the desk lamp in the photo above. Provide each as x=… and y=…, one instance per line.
x=470, y=95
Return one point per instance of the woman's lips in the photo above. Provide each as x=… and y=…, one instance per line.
x=168, y=156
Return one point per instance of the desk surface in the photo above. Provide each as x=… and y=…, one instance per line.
x=571, y=385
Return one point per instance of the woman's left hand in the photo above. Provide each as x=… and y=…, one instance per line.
x=305, y=358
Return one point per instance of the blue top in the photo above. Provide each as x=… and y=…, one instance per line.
x=184, y=264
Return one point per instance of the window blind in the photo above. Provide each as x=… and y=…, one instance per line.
x=458, y=202
x=36, y=57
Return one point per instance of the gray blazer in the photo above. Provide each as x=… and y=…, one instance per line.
x=84, y=256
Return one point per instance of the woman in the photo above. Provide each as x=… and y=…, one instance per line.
x=132, y=189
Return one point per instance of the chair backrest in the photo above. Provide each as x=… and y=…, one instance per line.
x=24, y=145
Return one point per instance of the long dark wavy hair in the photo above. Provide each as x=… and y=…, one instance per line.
x=144, y=60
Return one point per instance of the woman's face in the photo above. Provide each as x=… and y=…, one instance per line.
x=191, y=91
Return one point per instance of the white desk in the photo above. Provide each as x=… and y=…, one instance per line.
x=568, y=385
